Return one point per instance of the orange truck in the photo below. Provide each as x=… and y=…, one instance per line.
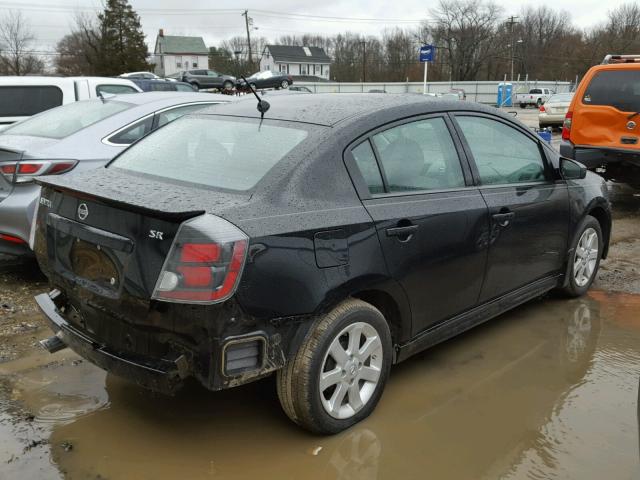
x=602, y=126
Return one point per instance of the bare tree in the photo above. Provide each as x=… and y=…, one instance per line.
x=16, y=40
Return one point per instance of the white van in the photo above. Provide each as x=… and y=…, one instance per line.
x=21, y=97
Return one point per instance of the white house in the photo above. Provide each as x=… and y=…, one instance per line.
x=297, y=61
x=174, y=53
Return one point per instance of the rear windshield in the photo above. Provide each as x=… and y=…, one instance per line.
x=535, y=90
x=68, y=119
x=560, y=97
x=617, y=88
x=212, y=151
x=28, y=100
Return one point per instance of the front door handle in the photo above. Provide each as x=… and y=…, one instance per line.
x=404, y=232
x=503, y=219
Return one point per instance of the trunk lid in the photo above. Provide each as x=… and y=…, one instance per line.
x=103, y=237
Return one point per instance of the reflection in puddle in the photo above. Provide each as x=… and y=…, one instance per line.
x=546, y=391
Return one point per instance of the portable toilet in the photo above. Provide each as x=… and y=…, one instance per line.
x=505, y=90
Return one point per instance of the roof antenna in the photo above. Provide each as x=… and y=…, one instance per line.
x=263, y=105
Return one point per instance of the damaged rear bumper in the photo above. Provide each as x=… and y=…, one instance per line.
x=164, y=375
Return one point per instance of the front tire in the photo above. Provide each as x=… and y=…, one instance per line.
x=587, y=250
x=284, y=84
x=227, y=85
x=337, y=376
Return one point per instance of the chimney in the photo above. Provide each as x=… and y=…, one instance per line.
x=161, y=32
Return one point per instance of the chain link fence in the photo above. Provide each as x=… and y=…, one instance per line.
x=483, y=92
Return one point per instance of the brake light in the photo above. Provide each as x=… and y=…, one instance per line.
x=25, y=171
x=566, y=126
x=11, y=238
x=542, y=109
x=205, y=262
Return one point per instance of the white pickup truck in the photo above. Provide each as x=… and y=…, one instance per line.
x=535, y=97
x=21, y=97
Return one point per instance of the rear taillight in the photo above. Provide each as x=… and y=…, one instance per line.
x=542, y=109
x=566, y=126
x=11, y=238
x=205, y=262
x=26, y=170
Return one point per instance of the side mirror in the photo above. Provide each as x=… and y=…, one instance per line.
x=572, y=170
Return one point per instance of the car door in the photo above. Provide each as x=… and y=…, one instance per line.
x=431, y=222
x=528, y=205
x=214, y=79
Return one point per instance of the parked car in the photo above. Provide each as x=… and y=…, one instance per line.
x=601, y=127
x=535, y=97
x=21, y=97
x=141, y=75
x=553, y=111
x=73, y=138
x=163, y=86
x=204, y=79
x=266, y=79
x=335, y=236
x=298, y=88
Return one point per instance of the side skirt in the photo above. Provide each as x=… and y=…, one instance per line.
x=476, y=316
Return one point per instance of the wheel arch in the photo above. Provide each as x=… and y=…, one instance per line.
x=604, y=219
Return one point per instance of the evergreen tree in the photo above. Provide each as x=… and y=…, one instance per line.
x=122, y=47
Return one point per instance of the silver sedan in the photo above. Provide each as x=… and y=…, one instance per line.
x=73, y=138
x=553, y=111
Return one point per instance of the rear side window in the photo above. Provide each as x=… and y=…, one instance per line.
x=174, y=113
x=212, y=152
x=115, y=89
x=617, y=88
x=28, y=100
x=502, y=154
x=133, y=133
x=366, y=161
x=68, y=119
x=419, y=156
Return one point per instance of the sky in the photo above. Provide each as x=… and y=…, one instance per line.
x=216, y=21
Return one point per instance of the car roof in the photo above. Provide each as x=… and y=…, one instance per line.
x=329, y=109
x=53, y=80
x=169, y=97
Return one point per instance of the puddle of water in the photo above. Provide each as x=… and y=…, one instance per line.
x=549, y=390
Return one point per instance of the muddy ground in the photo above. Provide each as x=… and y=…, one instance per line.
x=549, y=390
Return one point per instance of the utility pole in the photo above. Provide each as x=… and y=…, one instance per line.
x=246, y=22
x=511, y=23
x=364, y=61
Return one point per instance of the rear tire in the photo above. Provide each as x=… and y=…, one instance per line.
x=585, y=260
x=325, y=394
x=195, y=85
x=284, y=84
x=227, y=85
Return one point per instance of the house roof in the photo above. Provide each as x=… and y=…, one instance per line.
x=295, y=54
x=177, y=44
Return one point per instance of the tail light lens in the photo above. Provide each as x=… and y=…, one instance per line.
x=27, y=170
x=566, y=126
x=205, y=262
x=11, y=238
x=542, y=109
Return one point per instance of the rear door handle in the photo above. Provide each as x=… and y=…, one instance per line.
x=405, y=231
x=503, y=219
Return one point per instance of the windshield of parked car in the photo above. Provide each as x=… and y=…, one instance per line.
x=617, y=88
x=68, y=119
x=560, y=98
x=212, y=151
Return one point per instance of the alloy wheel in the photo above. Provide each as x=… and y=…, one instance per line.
x=351, y=370
x=586, y=257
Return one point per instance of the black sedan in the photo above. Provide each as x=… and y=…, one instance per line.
x=334, y=237
x=266, y=79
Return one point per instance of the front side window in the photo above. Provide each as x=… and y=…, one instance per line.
x=502, y=154
x=212, y=151
x=68, y=119
x=617, y=88
x=133, y=133
x=419, y=156
x=366, y=162
x=115, y=89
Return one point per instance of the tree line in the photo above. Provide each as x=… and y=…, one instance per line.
x=474, y=39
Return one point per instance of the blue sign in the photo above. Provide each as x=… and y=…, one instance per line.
x=427, y=53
